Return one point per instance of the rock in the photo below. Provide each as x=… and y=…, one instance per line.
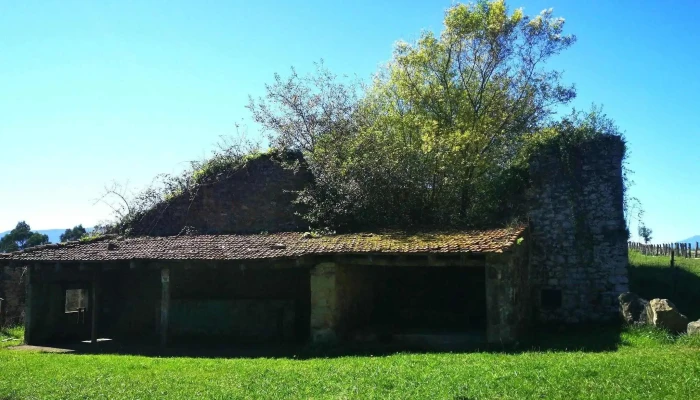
x=633, y=308
x=664, y=314
x=694, y=328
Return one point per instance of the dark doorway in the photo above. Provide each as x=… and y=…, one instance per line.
x=431, y=299
x=228, y=304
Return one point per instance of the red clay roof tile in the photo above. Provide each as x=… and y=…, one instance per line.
x=276, y=245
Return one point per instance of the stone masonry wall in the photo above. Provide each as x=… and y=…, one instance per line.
x=324, y=307
x=12, y=290
x=578, y=253
x=342, y=298
x=257, y=197
x=508, y=294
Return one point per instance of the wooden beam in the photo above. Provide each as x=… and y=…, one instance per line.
x=417, y=260
x=96, y=289
x=164, y=305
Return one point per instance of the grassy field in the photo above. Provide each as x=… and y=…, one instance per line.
x=599, y=363
x=651, y=276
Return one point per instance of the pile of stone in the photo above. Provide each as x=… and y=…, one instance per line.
x=657, y=312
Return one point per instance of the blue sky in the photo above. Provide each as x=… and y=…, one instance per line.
x=92, y=92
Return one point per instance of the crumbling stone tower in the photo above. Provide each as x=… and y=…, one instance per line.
x=578, y=257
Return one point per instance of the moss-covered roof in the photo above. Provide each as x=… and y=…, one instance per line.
x=277, y=245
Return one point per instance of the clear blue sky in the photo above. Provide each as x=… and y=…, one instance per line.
x=124, y=90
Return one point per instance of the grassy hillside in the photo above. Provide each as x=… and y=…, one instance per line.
x=651, y=276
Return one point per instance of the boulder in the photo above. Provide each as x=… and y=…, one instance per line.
x=664, y=314
x=694, y=328
x=633, y=308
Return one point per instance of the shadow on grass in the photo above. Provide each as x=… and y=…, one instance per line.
x=679, y=285
x=585, y=338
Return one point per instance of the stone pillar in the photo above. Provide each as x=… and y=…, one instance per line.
x=95, y=304
x=164, y=305
x=324, y=303
x=508, y=306
x=498, y=301
x=29, y=307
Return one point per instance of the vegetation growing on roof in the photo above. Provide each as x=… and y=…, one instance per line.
x=441, y=136
x=230, y=154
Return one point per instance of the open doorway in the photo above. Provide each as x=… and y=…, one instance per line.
x=416, y=305
x=432, y=299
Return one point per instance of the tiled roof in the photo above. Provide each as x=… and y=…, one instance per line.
x=277, y=245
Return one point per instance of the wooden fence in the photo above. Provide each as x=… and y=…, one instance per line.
x=684, y=250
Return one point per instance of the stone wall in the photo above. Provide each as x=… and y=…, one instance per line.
x=342, y=299
x=508, y=294
x=253, y=198
x=12, y=290
x=578, y=251
x=324, y=307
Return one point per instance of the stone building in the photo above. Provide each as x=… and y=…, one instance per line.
x=226, y=280
x=277, y=287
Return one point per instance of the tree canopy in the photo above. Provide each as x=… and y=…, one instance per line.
x=73, y=234
x=21, y=237
x=645, y=233
x=438, y=137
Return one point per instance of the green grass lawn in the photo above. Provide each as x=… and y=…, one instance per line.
x=9, y=336
x=646, y=364
x=600, y=363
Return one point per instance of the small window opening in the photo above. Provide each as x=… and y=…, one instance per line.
x=551, y=299
x=76, y=300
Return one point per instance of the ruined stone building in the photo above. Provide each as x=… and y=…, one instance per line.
x=229, y=279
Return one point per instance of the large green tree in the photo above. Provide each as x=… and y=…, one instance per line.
x=21, y=237
x=73, y=234
x=460, y=105
x=440, y=130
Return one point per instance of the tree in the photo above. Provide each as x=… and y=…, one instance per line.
x=73, y=234
x=467, y=99
x=437, y=133
x=21, y=237
x=299, y=111
x=645, y=232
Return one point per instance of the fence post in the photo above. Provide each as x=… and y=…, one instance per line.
x=673, y=274
x=697, y=249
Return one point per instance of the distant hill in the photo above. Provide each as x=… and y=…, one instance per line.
x=692, y=240
x=53, y=234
